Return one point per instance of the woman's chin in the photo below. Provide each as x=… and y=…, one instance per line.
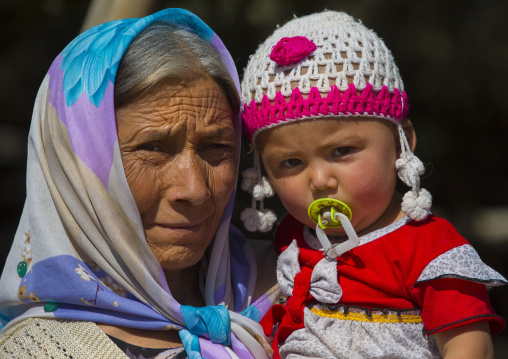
x=179, y=257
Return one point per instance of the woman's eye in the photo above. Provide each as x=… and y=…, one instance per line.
x=149, y=147
x=217, y=146
x=217, y=152
x=342, y=151
x=292, y=162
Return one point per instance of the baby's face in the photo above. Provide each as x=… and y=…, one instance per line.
x=348, y=159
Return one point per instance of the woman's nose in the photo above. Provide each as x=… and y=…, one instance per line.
x=322, y=178
x=189, y=182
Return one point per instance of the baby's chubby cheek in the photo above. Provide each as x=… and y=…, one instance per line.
x=299, y=209
x=373, y=191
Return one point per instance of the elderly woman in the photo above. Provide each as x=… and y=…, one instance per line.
x=124, y=247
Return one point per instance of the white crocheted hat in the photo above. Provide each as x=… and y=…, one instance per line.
x=324, y=65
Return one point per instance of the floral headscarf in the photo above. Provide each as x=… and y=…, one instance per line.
x=80, y=250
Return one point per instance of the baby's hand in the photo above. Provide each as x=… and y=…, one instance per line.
x=469, y=341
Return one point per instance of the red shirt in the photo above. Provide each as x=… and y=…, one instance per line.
x=383, y=274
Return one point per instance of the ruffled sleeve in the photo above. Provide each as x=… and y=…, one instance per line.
x=460, y=277
x=461, y=262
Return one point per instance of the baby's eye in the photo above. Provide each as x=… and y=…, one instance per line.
x=292, y=162
x=342, y=151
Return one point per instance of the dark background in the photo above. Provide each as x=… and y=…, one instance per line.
x=453, y=57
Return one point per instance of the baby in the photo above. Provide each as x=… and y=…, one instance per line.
x=367, y=273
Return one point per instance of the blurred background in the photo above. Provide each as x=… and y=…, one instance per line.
x=453, y=57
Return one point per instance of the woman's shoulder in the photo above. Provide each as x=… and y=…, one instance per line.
x=56, y=338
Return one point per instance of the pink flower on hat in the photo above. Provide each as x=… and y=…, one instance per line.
x=292, y=49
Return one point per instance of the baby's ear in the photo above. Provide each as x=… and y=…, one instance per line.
x=409, y=130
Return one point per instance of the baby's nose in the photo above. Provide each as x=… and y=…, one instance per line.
x=322, y=178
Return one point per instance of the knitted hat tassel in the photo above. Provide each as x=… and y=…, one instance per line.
x=416, y=203
x=259, y=187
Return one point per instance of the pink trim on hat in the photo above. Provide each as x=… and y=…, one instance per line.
x=369, y=103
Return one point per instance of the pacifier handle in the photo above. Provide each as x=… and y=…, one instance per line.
x=333, y=218
x=341, y=248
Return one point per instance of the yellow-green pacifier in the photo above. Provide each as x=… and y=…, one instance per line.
x=323, y=212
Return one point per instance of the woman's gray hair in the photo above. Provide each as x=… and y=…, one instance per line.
x=165, y=51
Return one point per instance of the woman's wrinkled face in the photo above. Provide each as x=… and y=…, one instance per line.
x=178, y=145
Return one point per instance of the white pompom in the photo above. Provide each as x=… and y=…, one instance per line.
x=268, y=189
x=262, y=189
x=258, y=192
x=267, y=219
x=409, y=168
x=249, y=177
x=417, y=207
x=255, y=220
x=250, y=219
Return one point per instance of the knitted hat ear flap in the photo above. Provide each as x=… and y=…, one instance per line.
x=416, y=203
x=259, y=187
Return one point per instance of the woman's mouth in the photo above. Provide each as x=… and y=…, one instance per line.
x=191, y=227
